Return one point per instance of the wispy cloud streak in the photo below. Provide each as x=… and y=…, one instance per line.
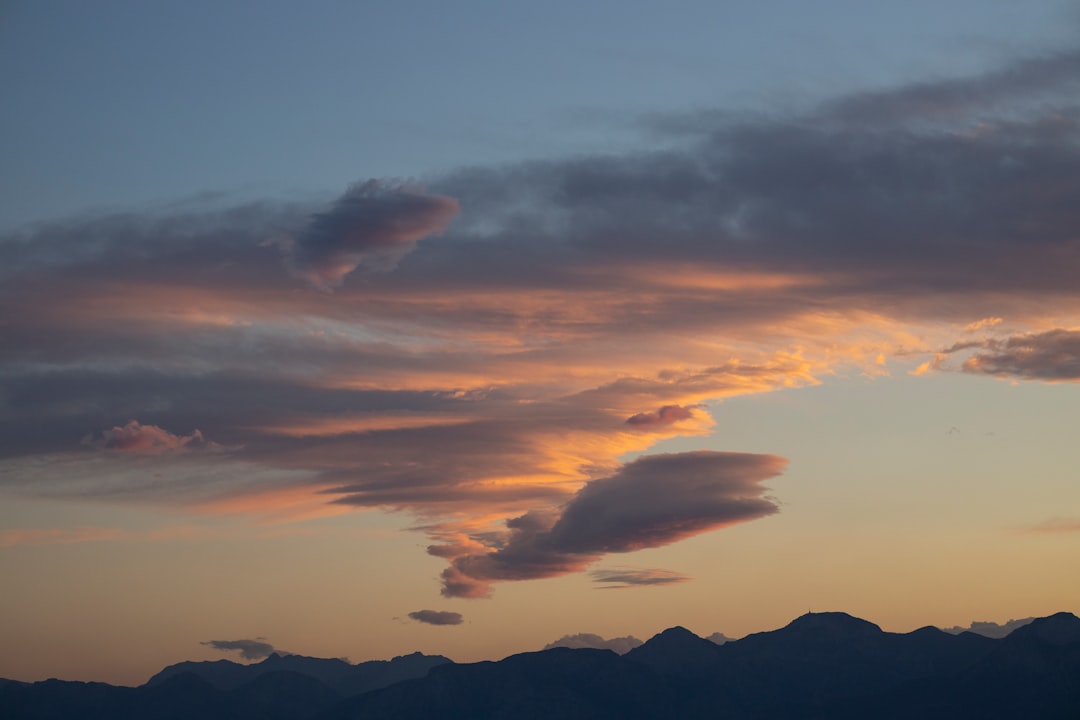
x=613, y=578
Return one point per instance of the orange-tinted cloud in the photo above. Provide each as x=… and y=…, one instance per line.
x=575, y=312
x=983, y=324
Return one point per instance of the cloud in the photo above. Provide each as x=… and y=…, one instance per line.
x=576, y=311
x=983, y=324
x=256, y=649
x=719, y=638
x=650, y=502
x=620, y=645
x=990, y=629
x=374, y=223
x=948, y=100
x=136, y=438
x=1052, y=356
x=437, y=617
x=666, y=415
x=636, y=577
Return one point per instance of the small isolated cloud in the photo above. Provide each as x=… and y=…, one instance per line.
x=375, y=224
x=137, y=438
x=256, y=649
x=437, y=617
x=990, y=629
x=636, y=577
x=666, y=415
x=719, y=638
x=620, y=645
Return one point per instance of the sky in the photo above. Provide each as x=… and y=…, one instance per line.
x=358, y=329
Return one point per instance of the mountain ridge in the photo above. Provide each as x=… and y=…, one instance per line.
x=820, y=665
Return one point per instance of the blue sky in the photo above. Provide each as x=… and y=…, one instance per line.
x=116, y=105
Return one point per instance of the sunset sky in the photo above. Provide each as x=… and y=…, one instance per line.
x=322, y=322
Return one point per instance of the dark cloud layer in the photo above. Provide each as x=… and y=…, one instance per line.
x=437, y=617
x=256, y=649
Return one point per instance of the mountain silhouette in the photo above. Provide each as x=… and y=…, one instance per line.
x=821, y=666
x=678, y=653
x=558, y=683
x=342, y=677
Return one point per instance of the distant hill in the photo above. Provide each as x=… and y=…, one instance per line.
x=821, y=666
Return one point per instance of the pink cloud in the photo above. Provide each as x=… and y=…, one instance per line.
x=138, y=438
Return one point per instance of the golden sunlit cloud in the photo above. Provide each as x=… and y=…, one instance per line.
x=983, y=324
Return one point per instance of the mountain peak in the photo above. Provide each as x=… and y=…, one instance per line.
x=1061, y=628
x=674, y=651
x=833, y=622
x=676, y=633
